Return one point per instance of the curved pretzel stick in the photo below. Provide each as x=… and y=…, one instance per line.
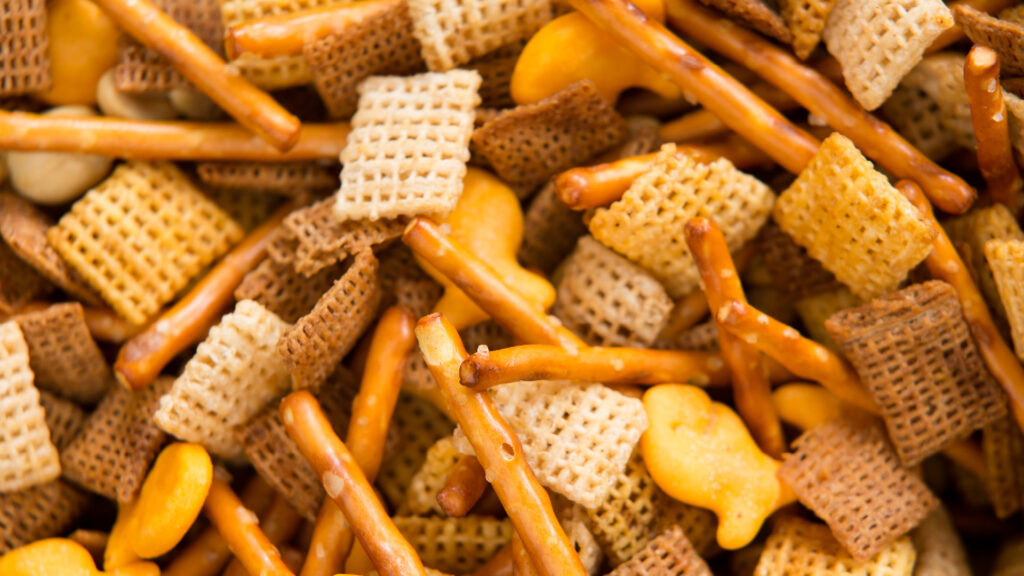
x=751, y=387
x=988, y=115
x=944, y=263
x=499, y=565
x=240, y=530
x=720, y=93
x=250, y=106
x=499, y=451
x=142, y=358
x=522, y=565
x=286, y=34
x=692, y=308
x=279, y=524
x=144, y=140
x=956, y=33
x=463, y=488
x=390, y=347
x=823, y=98
x=702, y=123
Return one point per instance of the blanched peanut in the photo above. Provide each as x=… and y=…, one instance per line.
x=194, y=105
x=113, y=102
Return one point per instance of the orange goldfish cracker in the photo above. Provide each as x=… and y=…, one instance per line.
x=239, y=527
x=806, y=405
x=82, y=45
x=47, y=557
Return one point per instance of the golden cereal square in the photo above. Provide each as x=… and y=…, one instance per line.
x=1006, y=259
x=806, y=21
x=969, y=233
x=455, y=545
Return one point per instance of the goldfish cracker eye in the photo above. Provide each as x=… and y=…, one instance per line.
x=49, y=557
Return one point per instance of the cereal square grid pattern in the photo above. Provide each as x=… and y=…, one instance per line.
x=915, y=354
x=848, y=217
x=417, y=426
x=917, y=117
x=43, y=511
x=63, y=356
x=1003, y=447
x=403, y=279
x=797, y=547
x=878, y=41
x=971, y=232
x=576, y=437
x=1006, y=262
x=118, y=443
x=455, y=545
x=314, y=346
x=24, y=63
x=379, y=46
x=286, y=178
x=20, y=283
x=806, y=21
x=527, y=145
x=646, y=224
x=622, y=523
x=453, y=32
x=703, y=336
x=757, y=14
x=421, y=499
x=63, y=417
x=495, y=70
x=235, y=372
x=279, y=288
x=248, y=210
x=573, y=519
x=940, y=77
x=550, y=231
x=940, y=552
x=668, y=554
x=27, y=456
x=793, y=273
x=141, y=235
x=848, y=475
x=1003, y=36
x=609, y=301
x=407, y=151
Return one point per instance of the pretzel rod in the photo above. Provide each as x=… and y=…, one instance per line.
x=988, y=115
x=499, y=451
x=718, y=92
x=521, y=318
x=692, y=308
x=499, y=565
x=144, y=140
x=956, y=33
x=522, y=565
x=821, y=97
x=372, y=408
x=279, y=524
x=751, y=387
x=286, y=34
x=142, y=358
x=944, y=264
x=250, y=106
x=348, y=487
x=240, y=530
x=702, y=123
x=465, y=485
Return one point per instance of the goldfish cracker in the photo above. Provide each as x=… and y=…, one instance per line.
x=806, y=405
x=488, y=221
x=137, y=569
x=699, y=452
x=83, y=45
x=48, y=558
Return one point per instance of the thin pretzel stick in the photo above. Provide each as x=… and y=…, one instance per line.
x=499, y=451
x=956, y=33
x=752, y=389
x=703, y=123
x=720, y=93
x=693, y=307
x=250, y=106
x=944, y=263
x=499, y=565
x=522, y=565
x=463, y=488
x=392, y=343
x=821, y=97
x=988, y=115
x=240, y=530
x=145, y=140
x=286, y=34
x=142, y=358
x=348, y=487
x=521, y=318
x=279, y=524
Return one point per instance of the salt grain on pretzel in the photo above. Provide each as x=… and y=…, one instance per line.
x=988, y=112
x=239, y=527
x=24, y=63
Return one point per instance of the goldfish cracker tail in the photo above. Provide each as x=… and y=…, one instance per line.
x=739, y=527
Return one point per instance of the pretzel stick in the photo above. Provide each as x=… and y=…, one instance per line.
x=522, y=565
x=142, y=358
x=499, y=565
x=144, y=140
x=108, y=326
x=390, y=347
x=956, y=33
x=944, y=263
x=692, y=308
x=286, y=34
x=988, y=115
x=250, y=106
x=522, y=319
x=702, y=123
x=465, y=485
x=752, y=389
x=821, y=97
x=240, y=530
x=279, y=524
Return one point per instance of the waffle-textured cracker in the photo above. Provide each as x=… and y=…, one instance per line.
x=407, y=151
x=757, y=14
x=64, y=357
x=622, y=523
x=878, y=41
x=417, y=426
x=495, y=69
x=1003, y=447
x=646, y=224
x=455, y=545
x=43, y=511
x=1006, y=262
x=915, y=354
x=940, y=552
x=24, y=63
x=917, y=117
x=24, y=227
x=487, y=333
x=402, y=279
x=314, y=346
x=703, y=336
x=279, y=288
x=941, y=78
x=792, y=272
x=118, y=442
x=453, y=33
x=378, y=46
x=668, y=554
x=421, y=498
x=529, y=144
x=573, y=519
x=1003, y=36
x=577, y=437
x=699, y=525
x=806, y=22
x=64, y=418
x=848, y=217
x=609, y=301
x=847, y=474
x=797, y=547
x=141, y=235
x=550, y=231
x=27, y=456
x=284, y=178
x=247, y=209
x=970, y=232
x=20, y=283
x=815, y=310
x=234, y=373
